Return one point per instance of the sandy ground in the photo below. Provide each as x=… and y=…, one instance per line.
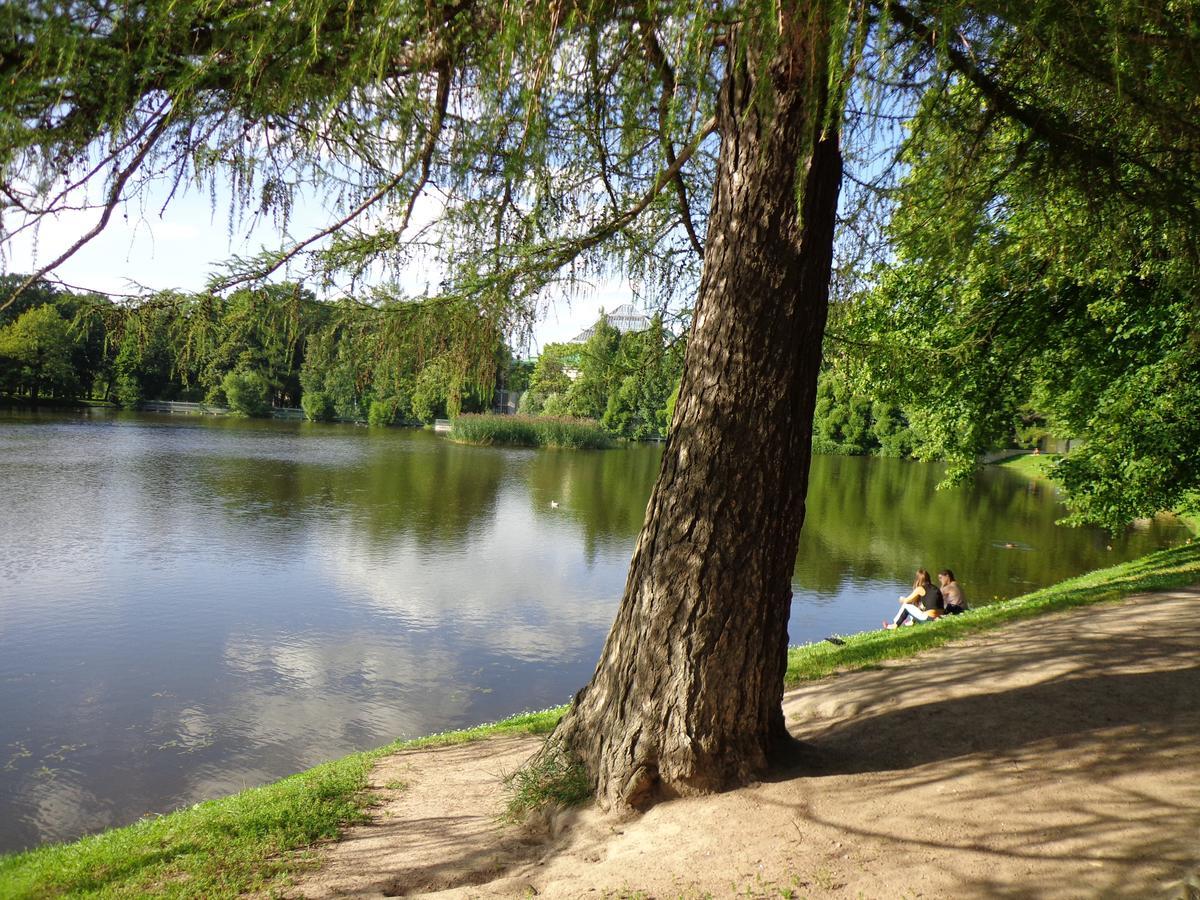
x=1057, y=759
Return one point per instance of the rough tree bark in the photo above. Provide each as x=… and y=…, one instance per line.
x=687, y=695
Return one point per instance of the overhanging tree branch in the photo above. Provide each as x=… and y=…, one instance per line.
x=113, y=198
x=425, y=159
x=666, y=74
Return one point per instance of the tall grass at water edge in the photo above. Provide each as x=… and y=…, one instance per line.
x=256, y=840
x=530, y=431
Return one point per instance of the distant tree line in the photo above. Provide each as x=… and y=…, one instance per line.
x=253, y=349
x=280, y=346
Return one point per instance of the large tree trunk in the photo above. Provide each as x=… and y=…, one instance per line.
x=687, y=695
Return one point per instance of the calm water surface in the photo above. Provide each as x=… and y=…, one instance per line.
x=189, y=607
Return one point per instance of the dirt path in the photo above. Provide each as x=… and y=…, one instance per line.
x=1056, y=759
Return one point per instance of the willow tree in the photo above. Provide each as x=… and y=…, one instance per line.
x=515, y=148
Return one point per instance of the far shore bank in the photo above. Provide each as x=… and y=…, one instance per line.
x=259, y=838
x=1037, y=465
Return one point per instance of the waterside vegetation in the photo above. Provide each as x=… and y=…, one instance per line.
x=256, y=839
x=531, y=431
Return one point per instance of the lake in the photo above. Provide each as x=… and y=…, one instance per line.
x=192, y=606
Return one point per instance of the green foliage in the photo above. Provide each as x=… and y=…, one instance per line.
x=549, y=374
x=531, y=403
x=523, y=431
x=247, y=393
x=555, y=406
x=587, y=396
x=36, y=354
x=1142, y=452
x=1046, y=277
x=435, y=394
x=648, y=363
x=382, y=412
x=847, y=422
x=317, y=406
x=624, y=380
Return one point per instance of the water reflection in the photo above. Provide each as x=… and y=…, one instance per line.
x=188, y=607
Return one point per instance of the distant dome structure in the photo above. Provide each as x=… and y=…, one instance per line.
x=625, y=318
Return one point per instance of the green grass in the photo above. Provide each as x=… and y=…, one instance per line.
x=223, y=848
x=255, y=839
x=1176, y=567
x=1029, y=465
x=554, y=777
x=530, y=431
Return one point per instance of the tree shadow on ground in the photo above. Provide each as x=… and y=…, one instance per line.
x=1073, y=745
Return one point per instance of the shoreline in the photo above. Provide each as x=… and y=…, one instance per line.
x=260, y=837
x=1033, y=467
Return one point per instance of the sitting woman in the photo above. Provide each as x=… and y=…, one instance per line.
x=951, y=593
x=923, y=604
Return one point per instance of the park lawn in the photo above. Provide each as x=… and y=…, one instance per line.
x=1029, y=465
x=253, y=840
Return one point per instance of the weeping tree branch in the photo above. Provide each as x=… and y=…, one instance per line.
x=425, y=159
x=113, y=198
x=666, y=74
x=1058, y=134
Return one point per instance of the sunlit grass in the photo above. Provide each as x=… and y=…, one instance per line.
x=1030, y=465
x=251, y=841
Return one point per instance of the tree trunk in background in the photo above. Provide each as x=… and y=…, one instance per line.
x=687, y=695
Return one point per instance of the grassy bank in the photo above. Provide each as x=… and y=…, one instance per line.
x=1177, y=567
x=253, y=840
x=530, y=431
x=223, y=848
x=1029, y=465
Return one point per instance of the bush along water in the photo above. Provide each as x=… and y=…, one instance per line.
x=529, y=431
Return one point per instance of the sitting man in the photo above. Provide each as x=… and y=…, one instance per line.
x=951, y=593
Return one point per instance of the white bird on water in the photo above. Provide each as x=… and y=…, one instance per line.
x=554, y=504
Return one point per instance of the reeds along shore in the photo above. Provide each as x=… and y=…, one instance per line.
x=528, y=431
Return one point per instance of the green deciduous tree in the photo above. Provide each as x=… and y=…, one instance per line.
x=596, y=375
x=647, y=364
x=1034, y=290
x=36, y=354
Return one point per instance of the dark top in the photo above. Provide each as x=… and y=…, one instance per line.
x=933, y=598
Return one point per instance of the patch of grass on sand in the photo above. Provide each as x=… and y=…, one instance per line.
x=554, y=777
x=1177, y=567
x=224, y=848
